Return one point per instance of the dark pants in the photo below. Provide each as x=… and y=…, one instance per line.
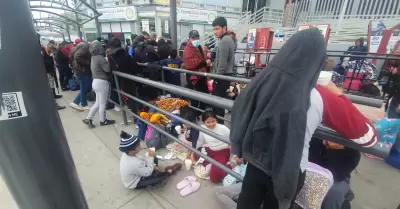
x=129, y=87
x=258, y=188
x=219, y=89
x=65, y=75
x=154, y=179
x=336, y=195
x=339, y=69
x=200, y=86
x=85, y=82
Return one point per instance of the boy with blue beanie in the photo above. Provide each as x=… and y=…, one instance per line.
x=139, y=172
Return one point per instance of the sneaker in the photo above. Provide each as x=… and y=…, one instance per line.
x=60, y=107
x=88, y=122
x=85, y=107
x=57, y=96
x=117, y=109
x=107, y=122
x=75, y=106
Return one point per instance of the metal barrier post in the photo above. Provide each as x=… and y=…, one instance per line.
x=162, y=78
x=121, y=103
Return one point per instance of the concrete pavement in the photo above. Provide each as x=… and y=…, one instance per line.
x=96, y=156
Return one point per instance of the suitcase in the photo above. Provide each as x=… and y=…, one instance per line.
x=356, y=83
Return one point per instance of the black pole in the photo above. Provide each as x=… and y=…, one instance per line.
x=96, y=20
x=174, y=25
x=78, y=27
x=68, y=33
x=35, y=160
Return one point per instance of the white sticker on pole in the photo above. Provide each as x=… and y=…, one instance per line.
x=12, y=106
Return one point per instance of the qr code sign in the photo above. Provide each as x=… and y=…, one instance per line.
x=11, y=102
x=12, y=106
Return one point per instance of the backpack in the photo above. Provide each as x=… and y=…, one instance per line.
x=60, y=58
x=156, y=139
x=74, y=84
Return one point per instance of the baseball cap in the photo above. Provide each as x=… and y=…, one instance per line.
x=194, y=34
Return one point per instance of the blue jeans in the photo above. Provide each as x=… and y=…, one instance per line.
x=85, y=82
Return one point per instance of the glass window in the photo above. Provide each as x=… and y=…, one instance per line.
x=148, y=25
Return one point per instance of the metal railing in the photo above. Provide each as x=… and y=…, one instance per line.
x=349, y=19
x=247, y=62
x=322, y=132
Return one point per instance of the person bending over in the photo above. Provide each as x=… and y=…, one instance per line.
x=139, y=172
x=341, y=161
x=280, y=104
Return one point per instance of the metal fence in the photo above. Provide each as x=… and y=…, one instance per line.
x=349, y=19
x=247, y=66
x=365, y=9
x=322, y=132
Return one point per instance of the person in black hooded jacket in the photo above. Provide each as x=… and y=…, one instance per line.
x=120, y=60
x=145, y=53
x=163, y=49
x=358, y=49
x=270, y=123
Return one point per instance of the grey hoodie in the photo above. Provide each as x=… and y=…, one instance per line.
x=99, y=65
x=269, y=116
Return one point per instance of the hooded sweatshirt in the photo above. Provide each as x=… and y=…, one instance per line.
x=99, y=65
x=80, y=59
x=357, y=50
x=269, y=116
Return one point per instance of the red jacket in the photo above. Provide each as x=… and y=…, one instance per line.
x=342, y=116
x=194, y=59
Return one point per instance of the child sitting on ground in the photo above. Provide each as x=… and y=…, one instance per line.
x=139, y=172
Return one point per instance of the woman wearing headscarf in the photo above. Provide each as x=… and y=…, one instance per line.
x=275, y=116
x=269, y=121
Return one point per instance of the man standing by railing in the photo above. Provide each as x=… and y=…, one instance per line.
x=224, y=61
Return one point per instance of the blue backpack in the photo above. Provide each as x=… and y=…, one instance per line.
x=74, y=84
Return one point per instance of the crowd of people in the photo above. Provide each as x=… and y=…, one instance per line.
x=273, y=118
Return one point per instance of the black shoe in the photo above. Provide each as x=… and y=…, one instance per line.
x=107, y=122
x=57, y=96
x=88, y=122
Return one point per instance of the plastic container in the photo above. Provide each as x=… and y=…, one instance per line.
x=324, y=78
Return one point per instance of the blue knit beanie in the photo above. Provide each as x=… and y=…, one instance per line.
x=128, y=142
